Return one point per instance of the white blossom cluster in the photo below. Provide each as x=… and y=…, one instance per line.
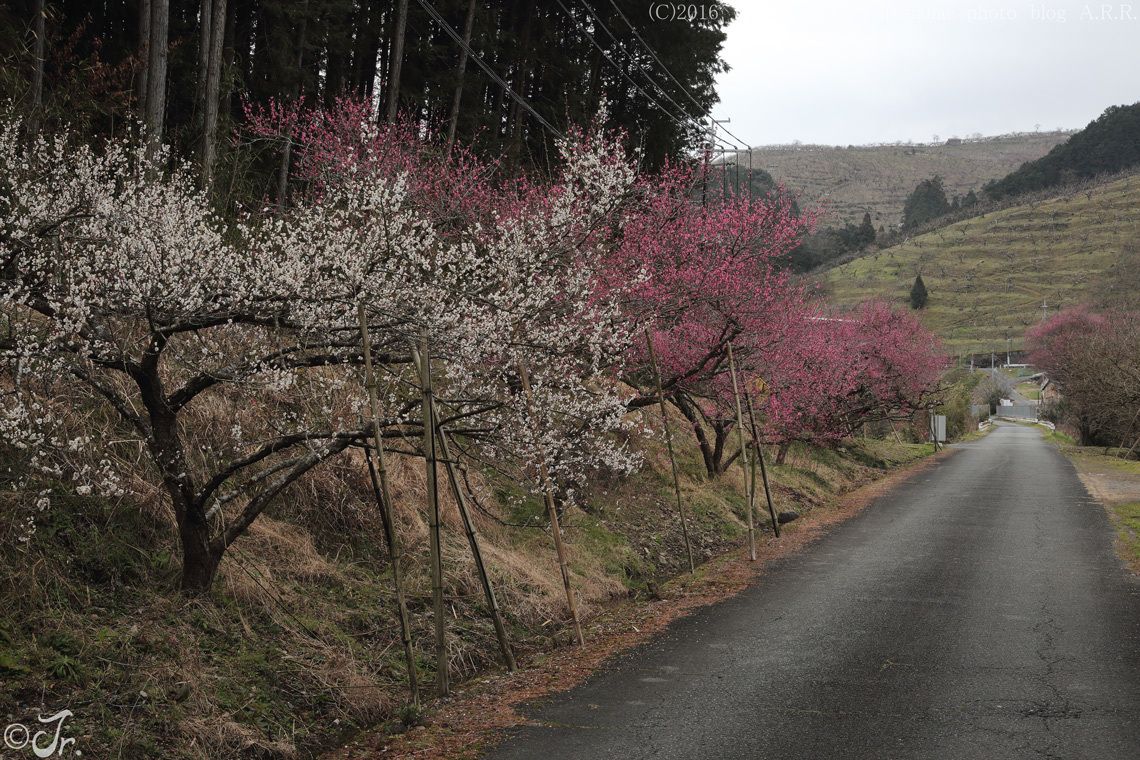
x=213, y=342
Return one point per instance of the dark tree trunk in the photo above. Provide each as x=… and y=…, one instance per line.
x=156, y=74
x=37, y=66
x=782, y=452
x=205, y=26
x=144, y=56
x=287, y=151
x=397, y=60
x=212, y=88
x=200, y=560
x=712, y=452
x=362, y=78
x=453, y=121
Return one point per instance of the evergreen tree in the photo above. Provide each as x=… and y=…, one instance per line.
x=918, y=294
x=927, y=202
x=866, y=231
x=970, y=200
x=1107, y=145
x=213, y=56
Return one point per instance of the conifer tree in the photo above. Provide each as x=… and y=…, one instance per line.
x=918, y=294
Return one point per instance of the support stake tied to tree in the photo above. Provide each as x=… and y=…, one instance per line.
x=384, y=501
x=669, y=448
x=743, y=456
x=548, y=492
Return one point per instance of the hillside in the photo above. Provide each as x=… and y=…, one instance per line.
x=988, y=276
x=1108, y=145
x=297, y=646
x=854, y=180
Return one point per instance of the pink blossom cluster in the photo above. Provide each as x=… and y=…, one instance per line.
x=121, y=285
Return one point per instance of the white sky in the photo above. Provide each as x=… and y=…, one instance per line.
x=839, y=72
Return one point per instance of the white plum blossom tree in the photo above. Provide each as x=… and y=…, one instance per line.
x=227, y=346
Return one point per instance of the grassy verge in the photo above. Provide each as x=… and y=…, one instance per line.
x=297, y=646
x=482, y=709
x=1029, y=391
x=1115, y=483
x=975, y=435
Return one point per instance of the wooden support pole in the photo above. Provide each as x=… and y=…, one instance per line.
x=548, y=491
x=422, y=357
x=669, y=448
x=743, y=456
x=476, y=550
x=763, y=467
x=384, y=501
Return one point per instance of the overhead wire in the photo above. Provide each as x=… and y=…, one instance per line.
x=634, y=84
x=641, y=68
x=431, y=11
x=719, y=144
x=665, y=68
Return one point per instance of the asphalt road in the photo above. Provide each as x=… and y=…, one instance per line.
x=1011, y=385
x=978, y=611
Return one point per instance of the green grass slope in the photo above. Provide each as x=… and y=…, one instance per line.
x=988, y=276
x=297, y=646
x=854, y=180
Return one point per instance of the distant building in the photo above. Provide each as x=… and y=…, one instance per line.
x=954, y=141
x=1050, y=393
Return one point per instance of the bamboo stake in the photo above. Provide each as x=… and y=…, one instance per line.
x=384, y=501
x=1124, y=440
x=752, y=480
x=763, y=467
x=669, y=448
x=548, y=491
x=743, y=456
x=476, y=551
x=422, y=358
x=897, y=436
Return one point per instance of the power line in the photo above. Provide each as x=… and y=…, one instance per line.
x=637, y=63
x=627, y=77
x=431, y=11
x=684, y=89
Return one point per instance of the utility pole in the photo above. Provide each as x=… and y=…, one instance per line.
x=1044, y=310
x=708, y=156
x=749, y=172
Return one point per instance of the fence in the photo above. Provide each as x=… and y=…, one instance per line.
x=1018, y=412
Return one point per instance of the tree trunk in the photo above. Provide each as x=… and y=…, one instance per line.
x=397, y=60
x=205, y=14
x=423, y=359
x=521, y=86
x=453, y=121
x=38, y=66
x=287, y=151
x=144, y=56
x=156, y=75
x=213, y=88
x=199, y=560
x=782, y=452
x=688, y=408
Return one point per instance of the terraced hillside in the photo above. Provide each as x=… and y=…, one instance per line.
x=878, y=179
x=988, y=276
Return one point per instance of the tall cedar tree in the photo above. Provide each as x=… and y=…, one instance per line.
x=918, y=294
x=926, y=203
x=97, y=55
x=1107, y=145
x=866, y=230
